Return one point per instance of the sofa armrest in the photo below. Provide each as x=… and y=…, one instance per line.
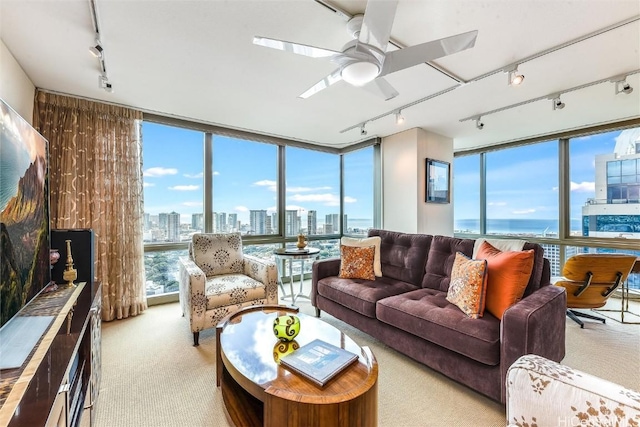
x=534, y=325
x=321, y=269
x=193, y=299
x=545, y=393
x=264, y=271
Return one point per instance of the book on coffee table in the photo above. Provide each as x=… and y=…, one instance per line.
x=318, y=361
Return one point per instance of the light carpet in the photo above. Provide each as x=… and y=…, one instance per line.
x=153, y=376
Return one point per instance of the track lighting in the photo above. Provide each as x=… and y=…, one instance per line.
x=479, y=123
x=623, y=87
x=103, y=83
x=97, y=50
x=557, y=103
x=399, y=118
x=363, y=131
x=515, y=78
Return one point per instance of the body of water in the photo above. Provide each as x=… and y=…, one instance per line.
x=536, y=227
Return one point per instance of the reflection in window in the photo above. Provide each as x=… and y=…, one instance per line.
x=244, y=186
x=522, y=190
x=313, y=192
x=466, y=194
x=358, y=191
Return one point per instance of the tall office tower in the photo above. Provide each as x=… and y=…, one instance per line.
x=163, y=221
x=334, y=221
x=147, y=222
x=233, y=222
x=216, y=223
x=222, y=219
x=291, y=223
x=197, y=222
x=615, y=210
x=312, y=222
x=173, y=227
x=268, y=227
x=258, y=221
x=274, y=223
x=552, y=253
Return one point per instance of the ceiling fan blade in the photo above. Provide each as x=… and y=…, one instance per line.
x=414, y=55
x=332, y=78
x=377, y=23
x=382, y=88
x=300, y=49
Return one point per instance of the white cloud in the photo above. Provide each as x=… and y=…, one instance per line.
x=523, y=212
x=216, y=173
x=271, y=185
x=497, y=204
x=191, y=204
x=306, y=189
x=184, y=187
x=159, y=171
x=348, y=199
x=241, y=209
x=583, y=187
x=196, y=175
x=148, y=184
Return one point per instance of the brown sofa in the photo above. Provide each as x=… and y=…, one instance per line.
x=407, y=310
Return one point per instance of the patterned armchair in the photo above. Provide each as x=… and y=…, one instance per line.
x=541, y=392
x=217, y=279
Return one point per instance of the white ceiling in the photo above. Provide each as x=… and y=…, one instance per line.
x=196, y=60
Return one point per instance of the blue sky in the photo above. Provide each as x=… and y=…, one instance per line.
x=245, y=176
x=522, y=182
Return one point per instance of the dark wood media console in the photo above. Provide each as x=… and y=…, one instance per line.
x=58, y=383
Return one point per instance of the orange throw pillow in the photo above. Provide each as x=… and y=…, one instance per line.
x=357, y=263
x=508, y=276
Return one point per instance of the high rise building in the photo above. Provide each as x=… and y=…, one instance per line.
x=197, y=222
x=233, y=222
x=173, y=227
x=258, y=221
x=147, y=221
x=292, y=227
x=163, y=221
x=332, y=223
x=222, y=221
x=615, y=210
x=312, y=222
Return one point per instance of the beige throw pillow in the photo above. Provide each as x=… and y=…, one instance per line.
x=363, y=243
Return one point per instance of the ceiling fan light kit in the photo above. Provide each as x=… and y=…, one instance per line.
x=360, y=73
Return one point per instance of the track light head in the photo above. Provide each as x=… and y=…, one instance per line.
x=623, y=87
x=363, y=131
x=96, y=50
x=479, y=123
x=515, y=78
x=399, y=118
x=557, y=103
x=103, y=83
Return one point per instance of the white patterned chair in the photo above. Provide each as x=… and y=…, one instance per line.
x=544, y=393
x=217, y=279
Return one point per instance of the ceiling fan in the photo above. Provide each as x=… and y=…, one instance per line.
x=364, y=60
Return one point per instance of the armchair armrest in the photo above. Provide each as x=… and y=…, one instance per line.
x=321, y=269
x=534, y=325
x=193, y=299
x=545, y=393
x=263, y=271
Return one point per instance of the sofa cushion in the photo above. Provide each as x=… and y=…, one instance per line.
x=375, y=241
x=232, y=289
x=509, y=273
x=442, y=254
x=402, y=255
x=535, y=281
x=361, y=295
x=357, y=262
x=468, y=286
x=427, y=314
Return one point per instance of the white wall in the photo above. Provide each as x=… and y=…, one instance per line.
x=403, y=183
x=16, y=89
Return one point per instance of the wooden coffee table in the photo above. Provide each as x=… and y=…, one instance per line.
x=257, y=391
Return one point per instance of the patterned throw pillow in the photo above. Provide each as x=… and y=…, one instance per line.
x=218, y=253
x=509, y=274
x=357, y=263
x=468, y=285
x=375, y=241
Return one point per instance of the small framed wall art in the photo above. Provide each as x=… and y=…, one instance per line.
x=438, y=182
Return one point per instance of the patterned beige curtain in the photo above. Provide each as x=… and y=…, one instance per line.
x=95, y=181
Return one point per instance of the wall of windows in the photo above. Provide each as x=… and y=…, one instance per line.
x=573, y=195
x=206, y=181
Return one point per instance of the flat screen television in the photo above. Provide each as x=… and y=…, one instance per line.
x=24, y=213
